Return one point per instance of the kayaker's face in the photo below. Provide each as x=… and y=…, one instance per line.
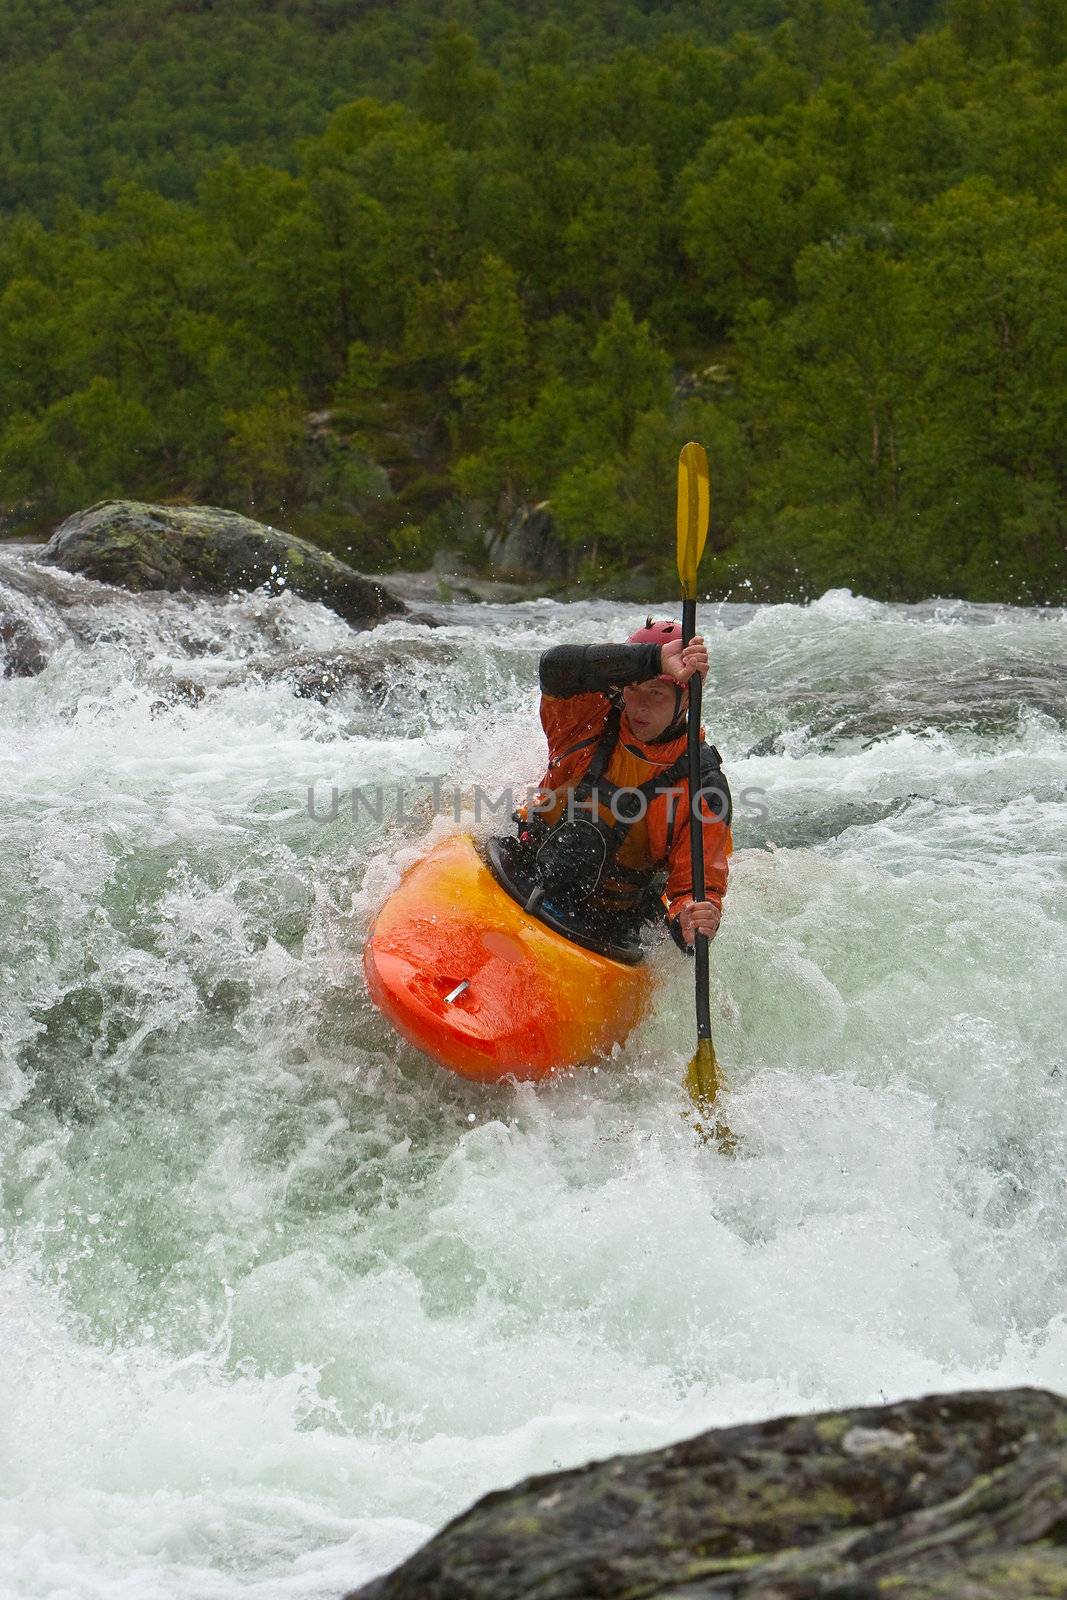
x=649, y=708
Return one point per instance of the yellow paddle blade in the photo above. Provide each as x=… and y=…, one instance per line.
x=694, y=508
x=705, y=1082
x=703, y=1078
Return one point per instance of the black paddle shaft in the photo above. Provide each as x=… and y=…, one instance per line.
x=696, y=828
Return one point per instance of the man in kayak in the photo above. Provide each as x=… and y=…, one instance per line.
x=606, y=843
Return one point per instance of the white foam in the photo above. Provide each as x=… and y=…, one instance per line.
x=278, y=1299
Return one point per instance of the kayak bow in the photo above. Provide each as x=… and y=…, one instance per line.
x=473, y=980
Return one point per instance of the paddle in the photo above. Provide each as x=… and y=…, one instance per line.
x=703, y=1077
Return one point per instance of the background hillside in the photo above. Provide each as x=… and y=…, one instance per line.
x=382, y=273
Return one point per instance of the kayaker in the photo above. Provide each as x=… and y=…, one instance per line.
x=615, y=719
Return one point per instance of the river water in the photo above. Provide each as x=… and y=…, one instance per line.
x=278, y=1297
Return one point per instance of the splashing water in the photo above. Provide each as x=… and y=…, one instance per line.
x=279, y=1297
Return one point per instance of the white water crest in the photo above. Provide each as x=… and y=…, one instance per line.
x=277, y=1296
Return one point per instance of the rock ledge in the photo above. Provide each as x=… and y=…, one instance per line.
x=961, y=1495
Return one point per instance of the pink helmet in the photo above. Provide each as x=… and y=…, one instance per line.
x=662, y=632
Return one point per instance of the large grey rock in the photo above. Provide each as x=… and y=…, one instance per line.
x=206, y=549
x=959, y=1495
x=529, y=546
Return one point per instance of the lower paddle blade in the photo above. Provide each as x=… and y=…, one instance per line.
x=704, y=1081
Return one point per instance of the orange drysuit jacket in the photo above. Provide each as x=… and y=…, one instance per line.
x=573, y=724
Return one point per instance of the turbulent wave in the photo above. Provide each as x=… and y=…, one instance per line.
x=277, y=1297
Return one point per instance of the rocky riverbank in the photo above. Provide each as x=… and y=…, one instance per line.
x=953, y=1495
x=146, y=548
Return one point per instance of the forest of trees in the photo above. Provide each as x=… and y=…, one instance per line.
x=379, y=272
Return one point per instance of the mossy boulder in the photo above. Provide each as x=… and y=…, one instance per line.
x=953, y=1495
x=209, y=550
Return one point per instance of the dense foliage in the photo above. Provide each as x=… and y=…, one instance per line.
x=836, y=254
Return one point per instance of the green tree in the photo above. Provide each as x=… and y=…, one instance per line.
x=264, y=452
x=87, y=446
x=830, y=37
x=991, y=315
x=629, y=374
x=1047, y=32
x=746, y=214
x=456, y=91
x=987, y=30
x=494, y=354
x=828, y=388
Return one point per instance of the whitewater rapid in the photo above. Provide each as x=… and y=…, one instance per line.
x=277, y=1297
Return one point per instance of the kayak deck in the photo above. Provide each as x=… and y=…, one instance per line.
x=465, y=974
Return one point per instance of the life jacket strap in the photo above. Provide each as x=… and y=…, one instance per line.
x=625, y=884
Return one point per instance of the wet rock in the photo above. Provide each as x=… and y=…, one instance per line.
x=314, y=676
x=770, y=745
x=208, y=550
x=319, y=677
x=20, y=571
x=23, y=651
x=178, y=691
x=529, y=547
x=32, y=626
x=952, y=1495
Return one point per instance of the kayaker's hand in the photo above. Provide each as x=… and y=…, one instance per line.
x=680, y=662
x=699, y=916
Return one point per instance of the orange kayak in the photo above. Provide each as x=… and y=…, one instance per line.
x=471, y=978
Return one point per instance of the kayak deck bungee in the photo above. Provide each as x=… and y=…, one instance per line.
x=471, y=978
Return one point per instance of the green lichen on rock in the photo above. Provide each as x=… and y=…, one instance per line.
x=209, y=550
x=952, y=1495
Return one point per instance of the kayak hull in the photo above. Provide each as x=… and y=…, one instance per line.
x=534, y=1002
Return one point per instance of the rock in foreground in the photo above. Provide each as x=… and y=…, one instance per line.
x=208, y=550
x=961, y=1495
